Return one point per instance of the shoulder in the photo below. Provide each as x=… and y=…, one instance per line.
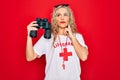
x=77, y=35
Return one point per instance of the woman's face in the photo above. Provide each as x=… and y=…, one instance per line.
x=62, y=17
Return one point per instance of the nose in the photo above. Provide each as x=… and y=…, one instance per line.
x=62, y=17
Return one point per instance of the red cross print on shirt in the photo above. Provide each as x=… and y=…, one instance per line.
x=65, y=54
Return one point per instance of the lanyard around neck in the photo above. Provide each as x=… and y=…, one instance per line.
x=61, y=43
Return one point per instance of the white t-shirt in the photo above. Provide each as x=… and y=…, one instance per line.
x=55, y=58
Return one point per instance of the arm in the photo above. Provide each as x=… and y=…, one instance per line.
x=30, y=54
x=81, y=51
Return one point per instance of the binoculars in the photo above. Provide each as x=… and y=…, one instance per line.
x=44, y=24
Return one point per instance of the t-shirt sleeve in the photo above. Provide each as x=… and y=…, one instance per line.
x=81, y=40
x=40, y=47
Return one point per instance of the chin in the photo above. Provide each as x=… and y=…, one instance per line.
x=63, y=26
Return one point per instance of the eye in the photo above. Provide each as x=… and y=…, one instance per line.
x=58, y=14
x=66, y=14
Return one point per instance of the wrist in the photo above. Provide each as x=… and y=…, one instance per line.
x=28, y=36
x=72, y=37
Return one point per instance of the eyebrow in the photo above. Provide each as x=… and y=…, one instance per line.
x=63, y=13
x=60, y=13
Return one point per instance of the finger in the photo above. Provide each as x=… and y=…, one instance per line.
x=31, y=25
x=34, y=28
x=34, y=25
x=66, y=31
x=33, y=22
x=31, y=28
x=69, y=27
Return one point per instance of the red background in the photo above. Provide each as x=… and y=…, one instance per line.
x=97, y=20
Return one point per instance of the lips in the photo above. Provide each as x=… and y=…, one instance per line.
x=62, y=22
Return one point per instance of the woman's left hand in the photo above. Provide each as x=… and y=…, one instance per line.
x=68, y=31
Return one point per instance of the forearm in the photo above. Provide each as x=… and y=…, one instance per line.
x=81, y=51
x=29, y=50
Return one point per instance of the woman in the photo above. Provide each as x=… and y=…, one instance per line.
x=63, y=50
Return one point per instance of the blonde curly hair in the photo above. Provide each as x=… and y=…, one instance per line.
x=54, y=27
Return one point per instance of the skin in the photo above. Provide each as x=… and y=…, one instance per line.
x=62, y=15
x=65, y=29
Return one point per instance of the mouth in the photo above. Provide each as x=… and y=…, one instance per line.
x=62, y=22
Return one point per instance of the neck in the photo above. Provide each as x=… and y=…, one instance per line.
x=61, y=31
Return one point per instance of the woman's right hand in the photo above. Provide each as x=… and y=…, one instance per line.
x=30, y=55
x=31, y=26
